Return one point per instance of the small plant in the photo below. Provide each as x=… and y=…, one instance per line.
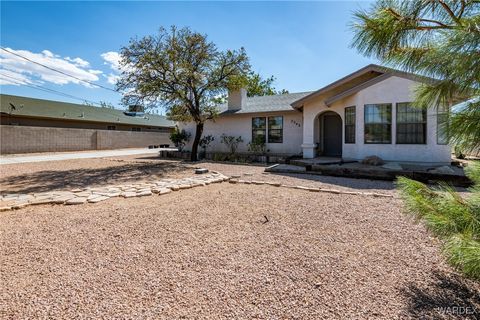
x=232, y=143
x=257, y=145
x=180, y=138
x=205, y=142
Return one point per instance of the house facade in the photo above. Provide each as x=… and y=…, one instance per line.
x=368, y=112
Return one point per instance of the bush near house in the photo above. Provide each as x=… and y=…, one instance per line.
x=180, y=138
x=451, y=217
x=232, y=143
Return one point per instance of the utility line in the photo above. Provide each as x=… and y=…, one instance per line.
x=21, y=82
x=59, y=71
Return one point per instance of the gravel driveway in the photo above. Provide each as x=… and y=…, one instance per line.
x=208, y=253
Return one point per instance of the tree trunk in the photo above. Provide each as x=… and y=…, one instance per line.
x=196, y=141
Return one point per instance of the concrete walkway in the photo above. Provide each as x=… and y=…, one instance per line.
x=24, y=158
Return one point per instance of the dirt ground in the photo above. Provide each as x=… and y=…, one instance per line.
x=209, y=253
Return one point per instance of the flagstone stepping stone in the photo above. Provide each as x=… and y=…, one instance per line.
x=144, y=193
x=175, y=188
x=185, y=186
x=164, y=191
x=5, y=208
x=129, y=194
x=62, y=199
x=201, y=171
x=98, y=199
x=76, y=190
x=77, y=200
x=83, y=194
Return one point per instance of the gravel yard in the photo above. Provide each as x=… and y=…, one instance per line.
x=209, y=253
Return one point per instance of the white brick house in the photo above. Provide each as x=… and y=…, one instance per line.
x=365, y=113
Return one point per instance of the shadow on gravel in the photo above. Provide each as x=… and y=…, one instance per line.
x=341, y=181
x=449, y=297
x=43, y=181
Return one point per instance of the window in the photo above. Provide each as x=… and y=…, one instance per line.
x=275, y=129
x=111, y=128
x=442, y=125
x=136, y=129
x=350, y=124
x=411, y=124
x=378, y=123
x=259, y=129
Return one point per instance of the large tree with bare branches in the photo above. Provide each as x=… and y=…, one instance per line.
x=182, y=71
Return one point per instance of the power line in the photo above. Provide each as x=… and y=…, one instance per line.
x=22, y=82
x=59, y=71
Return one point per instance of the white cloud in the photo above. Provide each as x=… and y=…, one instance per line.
x=112, y=58
x=30, y=71
x=13, y=78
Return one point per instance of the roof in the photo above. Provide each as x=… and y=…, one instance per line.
x=357, y=81
x=279, y=102
x=39, y=108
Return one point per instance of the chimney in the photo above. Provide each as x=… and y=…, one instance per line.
x=237, y=99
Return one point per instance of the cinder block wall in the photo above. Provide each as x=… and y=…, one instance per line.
x=23, y=139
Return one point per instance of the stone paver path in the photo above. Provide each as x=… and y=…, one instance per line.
x=98, y=194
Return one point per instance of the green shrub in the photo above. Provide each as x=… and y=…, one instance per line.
x=257, y=145
x=451, y=217
x=232, y=143
x=180, y=138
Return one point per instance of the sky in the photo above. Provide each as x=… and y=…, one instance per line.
x=304, y=45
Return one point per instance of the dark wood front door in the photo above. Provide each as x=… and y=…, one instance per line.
x=332, y=135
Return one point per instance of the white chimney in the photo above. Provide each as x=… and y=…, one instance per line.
x=237, y=99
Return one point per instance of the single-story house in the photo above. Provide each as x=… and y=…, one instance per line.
x=368, y=112
x=37, y=125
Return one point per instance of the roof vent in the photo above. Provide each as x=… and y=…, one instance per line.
x=135, y=111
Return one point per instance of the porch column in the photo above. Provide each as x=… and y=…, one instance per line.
x=309, y=150
x=308, y=146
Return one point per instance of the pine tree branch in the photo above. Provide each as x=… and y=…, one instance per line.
x=449, y=11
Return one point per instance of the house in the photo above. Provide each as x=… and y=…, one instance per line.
x=368, y=112
x=37, y=125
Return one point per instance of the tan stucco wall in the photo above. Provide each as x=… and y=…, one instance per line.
x=391, y=90
x=23, y=139
x=241, y=125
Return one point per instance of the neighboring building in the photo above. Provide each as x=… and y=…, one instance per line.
x=36, y=125
x=366, y=113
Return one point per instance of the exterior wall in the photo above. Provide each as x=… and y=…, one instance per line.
x=241, y=125
x=23, y=139
x=6, y=119
x=392, y=90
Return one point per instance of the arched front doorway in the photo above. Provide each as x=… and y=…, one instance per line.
x=330, y=134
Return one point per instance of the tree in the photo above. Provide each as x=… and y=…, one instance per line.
x=183, y=71
x=257, y=86
x=439, y=39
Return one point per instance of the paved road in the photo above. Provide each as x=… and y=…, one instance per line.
x=10, y=159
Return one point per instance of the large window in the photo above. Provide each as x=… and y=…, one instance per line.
x=378, y=123
x=442, y=125
x=259, y=129
x=350, y=125
x=275, y=129
x=411, y=124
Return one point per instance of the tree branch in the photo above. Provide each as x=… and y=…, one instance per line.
x=449, y=11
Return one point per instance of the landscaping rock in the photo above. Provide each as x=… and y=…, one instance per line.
x=164, y=191
x=201, y=171
x=79, y=200
x=129, y=194
x=144, y=193
x=98, y=199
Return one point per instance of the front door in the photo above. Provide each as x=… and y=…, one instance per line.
x=332, y=135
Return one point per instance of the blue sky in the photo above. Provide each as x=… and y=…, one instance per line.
x=305, y=45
